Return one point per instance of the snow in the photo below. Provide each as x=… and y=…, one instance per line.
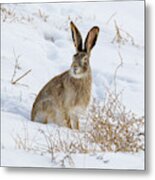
x=47, y=48
x=107, y=161
x=11, y=156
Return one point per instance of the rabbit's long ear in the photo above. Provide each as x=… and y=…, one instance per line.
x=77, y=38
x=91, y=39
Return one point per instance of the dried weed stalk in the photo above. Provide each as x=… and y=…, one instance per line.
x=116, y=71
x=122, y=37
x=110, y=18
x=23, y=140
x=7, y=14
x=42, y=15
x=16, y=68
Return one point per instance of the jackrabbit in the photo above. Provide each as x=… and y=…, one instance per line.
x=67, y=95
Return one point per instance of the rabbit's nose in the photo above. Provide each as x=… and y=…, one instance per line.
x=75, y=68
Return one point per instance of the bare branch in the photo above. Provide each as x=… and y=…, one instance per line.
x=116, y=71
x=16, y=65
x=121, y=36
x=114, y=14
x=22, y=76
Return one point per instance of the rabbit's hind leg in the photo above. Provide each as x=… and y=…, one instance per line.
x=43, y=112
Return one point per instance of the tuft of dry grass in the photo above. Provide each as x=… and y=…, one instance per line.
x=122, y=37
x=113, y=128
x=42, y=15
x=7, y=14
x=23, y=140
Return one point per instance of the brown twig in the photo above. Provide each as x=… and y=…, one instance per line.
x=114, y=14
x=131, y=37
x=118, y=38
x=121, y=36
x=22, y=76
x=116, y=71
x=16, y=66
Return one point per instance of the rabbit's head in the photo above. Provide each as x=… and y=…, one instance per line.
x=80, y=65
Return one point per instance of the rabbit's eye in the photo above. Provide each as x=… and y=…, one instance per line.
x=75, y=55
x=85, y=60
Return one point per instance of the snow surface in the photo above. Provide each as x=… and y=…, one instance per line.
x=47, y=48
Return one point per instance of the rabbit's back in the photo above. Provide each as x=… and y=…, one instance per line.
x=48, y=99
x=61, y=96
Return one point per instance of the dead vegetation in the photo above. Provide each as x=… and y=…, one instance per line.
x=46, y=142
x=9, y=15
x=17, y=67
x=40, y=14
x=111, y=17
x=122, y=37
x=24, y=140
x=109, y=128
x=113, y=128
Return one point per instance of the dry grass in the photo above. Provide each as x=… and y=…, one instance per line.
x=70, y=143
x=110, y=127
x=42, y=15
x=114, y=128
x=122, y=37
x=51, y=143
x=24, y=140
x=9, y=15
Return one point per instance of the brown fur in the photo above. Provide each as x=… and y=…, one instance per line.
x=64, y=92
x=67, y=95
